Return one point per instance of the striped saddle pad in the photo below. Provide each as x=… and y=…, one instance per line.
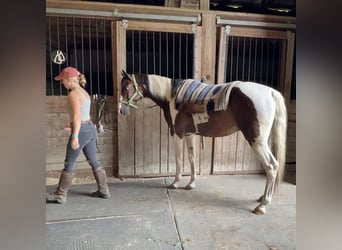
x=214, y=97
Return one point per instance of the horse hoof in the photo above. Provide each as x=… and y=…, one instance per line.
x=189, y=187
x=259, y=210
x=172, y=186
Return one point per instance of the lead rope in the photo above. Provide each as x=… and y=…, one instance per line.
x=100, y=105
x=204, y=80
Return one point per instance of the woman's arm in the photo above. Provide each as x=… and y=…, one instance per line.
x=75, y=103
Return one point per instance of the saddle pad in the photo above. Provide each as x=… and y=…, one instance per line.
x=192, y=91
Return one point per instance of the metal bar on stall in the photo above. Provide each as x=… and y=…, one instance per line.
x=254, y=23
x=75, y=47
x=167, y=54
x=261, y=58
x=146, y=49
x=139, y=51
x=267, y=62
x=279, y=69
x=226, y=60
x=105, y=57
x=173, y=55
x=90, y=59
x=82, y=46
x=255, y=57
x=133, y=56
x=58, y=48
x=97, y=57
x=273, y=61
x=154, y=52
x=181, y=64
x=160, y=52
x=50, y=48
x=66, y=39
x=249, y=59
x=231, y=59
x=237, y=59
x=186, y=55
x=243, y=58
x=116, y=13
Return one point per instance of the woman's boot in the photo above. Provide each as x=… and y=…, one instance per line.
x=101, y=180
x=60, y=195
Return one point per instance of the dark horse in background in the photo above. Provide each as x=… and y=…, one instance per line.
x=193, y=108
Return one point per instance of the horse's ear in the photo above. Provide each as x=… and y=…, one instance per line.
x=125, y=75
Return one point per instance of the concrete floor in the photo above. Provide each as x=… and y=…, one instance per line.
x=143, y=214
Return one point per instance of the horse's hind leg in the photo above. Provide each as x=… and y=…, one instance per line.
x=177, y=147
x=191, y=153
x=270, y=165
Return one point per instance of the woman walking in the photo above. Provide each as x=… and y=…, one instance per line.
x=82, y=137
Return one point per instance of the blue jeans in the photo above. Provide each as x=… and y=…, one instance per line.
x=87, y=141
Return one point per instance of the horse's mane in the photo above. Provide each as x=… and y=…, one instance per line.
x=175, y=84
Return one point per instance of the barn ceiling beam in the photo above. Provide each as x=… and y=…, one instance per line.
x=116, y=13
x=255, y=23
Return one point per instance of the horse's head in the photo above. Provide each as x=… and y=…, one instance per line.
x=130, y=93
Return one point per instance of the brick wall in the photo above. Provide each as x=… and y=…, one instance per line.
x=57, y=115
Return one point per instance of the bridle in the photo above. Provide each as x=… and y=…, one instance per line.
x=131, y=101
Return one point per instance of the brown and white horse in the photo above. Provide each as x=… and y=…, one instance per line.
x=190, y=108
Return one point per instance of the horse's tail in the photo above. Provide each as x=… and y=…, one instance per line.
x=279, y=134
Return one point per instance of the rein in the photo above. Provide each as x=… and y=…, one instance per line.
x=136, y=93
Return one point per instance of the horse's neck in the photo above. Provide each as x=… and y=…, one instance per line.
x=160, y=87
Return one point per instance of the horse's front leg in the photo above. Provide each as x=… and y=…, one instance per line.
x=177, y=142
x=191, y=154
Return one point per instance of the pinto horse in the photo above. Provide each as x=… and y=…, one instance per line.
x=193, y=108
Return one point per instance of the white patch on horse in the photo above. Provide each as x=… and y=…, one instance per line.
x=265, y=109
x=160, y=86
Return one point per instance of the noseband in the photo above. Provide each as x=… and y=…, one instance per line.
x=137, y=92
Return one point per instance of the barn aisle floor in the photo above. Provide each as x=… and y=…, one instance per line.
x=143, y=214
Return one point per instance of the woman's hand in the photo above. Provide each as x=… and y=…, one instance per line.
x=74, y=143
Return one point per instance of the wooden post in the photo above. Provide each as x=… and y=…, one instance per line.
x=288, y=66
x=198, y=53
x=208, y=44
x=204, y=5
x=118, y=51
x=208, y=68
x=221, y=55
x=123, y=126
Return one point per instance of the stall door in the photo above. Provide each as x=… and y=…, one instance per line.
x=144, y=145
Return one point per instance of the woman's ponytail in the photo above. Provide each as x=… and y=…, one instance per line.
x=82, y=80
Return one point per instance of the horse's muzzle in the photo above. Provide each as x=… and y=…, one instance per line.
x=124, y=109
